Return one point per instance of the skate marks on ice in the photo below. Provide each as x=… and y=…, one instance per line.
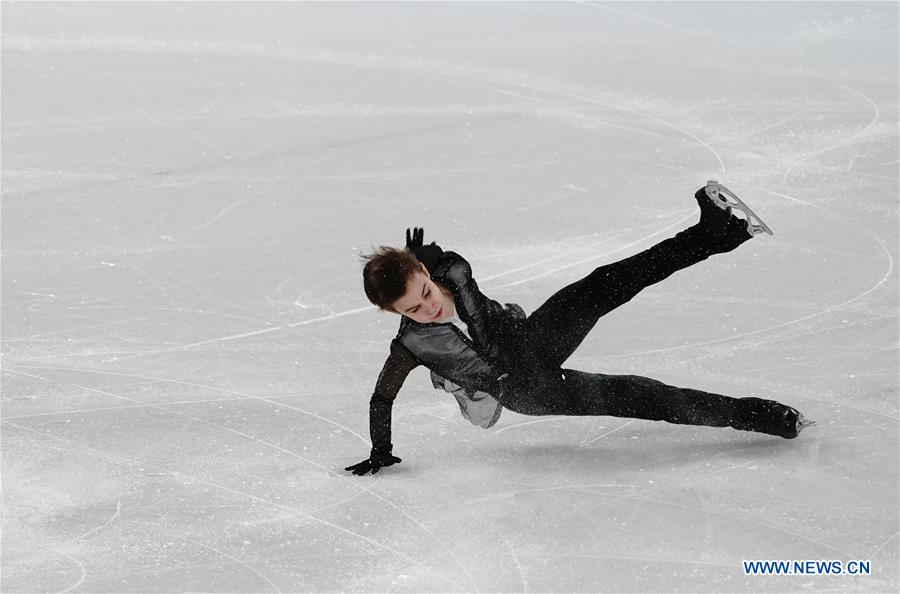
x=512, y=544
x=584, y=442
x=641, y=493
x=667, y=229
x=76, y=448
x=57, y=551
x=487, y=278
x=341, y=476
x=843, y=222
x=338, y=475
x=859, y=135
x=667, y=25
x=886, y=276
x=692, y=137
x=463, y=73
x=241, y=395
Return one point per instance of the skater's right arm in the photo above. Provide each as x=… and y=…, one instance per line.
x=397, y=367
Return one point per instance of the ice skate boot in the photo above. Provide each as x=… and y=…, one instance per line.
x=795, y=422
x=803, y=423
x=768, y=416
x=728, y=201
x=721, y=229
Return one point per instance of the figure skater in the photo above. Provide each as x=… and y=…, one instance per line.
x=492, y=356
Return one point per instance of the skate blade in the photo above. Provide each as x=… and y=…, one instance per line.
x=725, y=198
x=803, y=423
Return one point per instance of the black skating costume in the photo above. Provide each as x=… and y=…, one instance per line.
x=515, y=362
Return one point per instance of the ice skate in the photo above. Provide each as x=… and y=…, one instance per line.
x=723, y=230
x=726, y=199
x=795, y=422
x=803, y=423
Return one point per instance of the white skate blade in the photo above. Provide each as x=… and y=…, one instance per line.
x=725, y=198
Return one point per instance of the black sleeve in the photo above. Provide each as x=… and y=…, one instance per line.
x=398, y=365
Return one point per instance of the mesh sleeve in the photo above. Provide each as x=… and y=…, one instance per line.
x=398, y=365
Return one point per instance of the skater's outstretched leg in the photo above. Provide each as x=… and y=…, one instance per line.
x=578, y=393
x=564, y=320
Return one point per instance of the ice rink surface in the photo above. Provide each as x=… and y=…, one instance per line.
x=188, y=354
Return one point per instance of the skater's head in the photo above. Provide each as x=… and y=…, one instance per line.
x=394, y=280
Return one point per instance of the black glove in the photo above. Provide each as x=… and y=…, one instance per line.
x=426, y=254
x=416, y=239
x=377, y=459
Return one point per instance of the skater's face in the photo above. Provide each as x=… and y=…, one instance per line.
x=424, y=301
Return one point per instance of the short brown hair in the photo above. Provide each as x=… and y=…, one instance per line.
x=385, y=274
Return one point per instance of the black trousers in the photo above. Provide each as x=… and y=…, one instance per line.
x=536, y=348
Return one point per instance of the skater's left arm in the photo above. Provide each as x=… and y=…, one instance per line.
x=475, y=305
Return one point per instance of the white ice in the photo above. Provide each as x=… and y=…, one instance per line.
x=188, y=354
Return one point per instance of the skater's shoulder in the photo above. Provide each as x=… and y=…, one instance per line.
x=452, y=265
x=401, y=353
x=453, y=271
